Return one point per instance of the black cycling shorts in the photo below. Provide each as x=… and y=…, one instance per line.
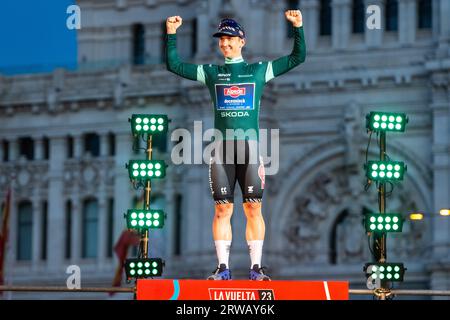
x=236, y=160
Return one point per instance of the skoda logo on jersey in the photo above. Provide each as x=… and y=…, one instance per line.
x=234, y=92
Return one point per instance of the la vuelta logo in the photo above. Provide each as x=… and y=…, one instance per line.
x=234, y=91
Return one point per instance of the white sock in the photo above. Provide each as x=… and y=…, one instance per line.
x=223, y=251
x=255, y=250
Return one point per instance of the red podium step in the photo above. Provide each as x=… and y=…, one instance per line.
x=174, y=289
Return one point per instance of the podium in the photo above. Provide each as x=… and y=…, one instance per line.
x=175, y=289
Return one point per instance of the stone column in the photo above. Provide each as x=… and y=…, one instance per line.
x=56, y=202
x=78, y=146
x=102, y=229
x=104, y=144
x=407, y=21
x=441, y=27
x=311, y=18
x=122, y=198
x=203, y=38
x=76, y=240
x=37, y=236
x=341, y=23
x=374, y=37
x=39, y=148
x=13, y=149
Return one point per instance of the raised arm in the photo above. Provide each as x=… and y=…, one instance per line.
x=298, y=54
x=173, y=63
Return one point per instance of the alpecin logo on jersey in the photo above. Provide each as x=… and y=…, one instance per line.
x=234, y=92
x=235, y=97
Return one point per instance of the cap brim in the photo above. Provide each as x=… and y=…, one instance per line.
x=219, y=34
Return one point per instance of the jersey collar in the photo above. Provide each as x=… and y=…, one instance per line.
x=234, y=60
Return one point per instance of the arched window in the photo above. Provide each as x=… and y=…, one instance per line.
x=24, y=231
x=358, y=16
x=424, y=13
x=90, y=228
x=138, y=44
x=325, y=17
x=391, y=15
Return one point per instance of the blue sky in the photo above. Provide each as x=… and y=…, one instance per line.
x=34, y=36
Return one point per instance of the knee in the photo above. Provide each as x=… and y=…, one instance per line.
x=224, y=211
x=252, y=209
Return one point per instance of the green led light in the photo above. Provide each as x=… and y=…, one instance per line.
x=145, y=219
x=146, y=267
x=386, y=121
x=388, y=222
x=146, y=169
x=384, y=170
x=154, y=124
x=385, y=271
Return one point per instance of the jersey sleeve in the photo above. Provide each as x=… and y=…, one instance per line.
x=284, y=64
x=186, y=70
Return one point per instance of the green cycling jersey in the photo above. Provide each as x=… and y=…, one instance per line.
x=236, y=87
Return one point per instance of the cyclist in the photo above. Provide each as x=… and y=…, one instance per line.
x=236, y=89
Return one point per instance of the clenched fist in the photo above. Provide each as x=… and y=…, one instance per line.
x=294, y=16
x=173, y=23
